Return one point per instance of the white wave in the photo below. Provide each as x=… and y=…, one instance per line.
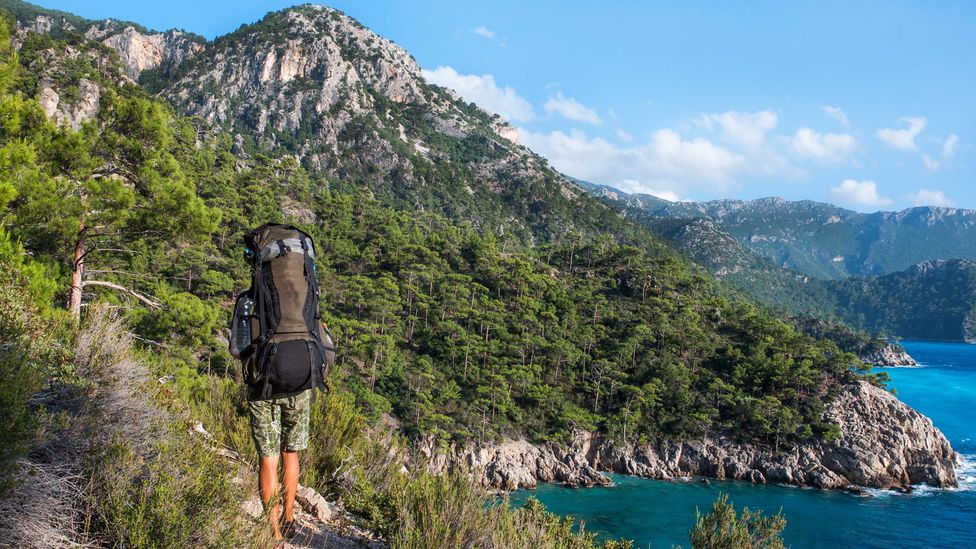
x=965, y=475
x=966, y=472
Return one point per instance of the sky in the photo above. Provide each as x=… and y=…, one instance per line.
x=869, y=105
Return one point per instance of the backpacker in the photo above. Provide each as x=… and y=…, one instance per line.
x=276, y=330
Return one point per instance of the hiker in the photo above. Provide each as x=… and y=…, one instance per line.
x=286, y=352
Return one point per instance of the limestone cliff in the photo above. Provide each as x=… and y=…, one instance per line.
x=140, y=51
x=883, y=444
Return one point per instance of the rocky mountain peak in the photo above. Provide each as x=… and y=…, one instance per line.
x=312, y=82
x=307, y=69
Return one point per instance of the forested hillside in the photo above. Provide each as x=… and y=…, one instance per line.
x=932, y=300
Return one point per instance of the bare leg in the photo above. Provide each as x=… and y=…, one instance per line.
x=268, y=483
x=290, y=464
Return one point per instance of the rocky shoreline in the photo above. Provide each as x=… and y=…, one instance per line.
x=889, y=355
x=883, y=444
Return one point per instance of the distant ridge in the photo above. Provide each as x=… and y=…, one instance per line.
x=823, y=240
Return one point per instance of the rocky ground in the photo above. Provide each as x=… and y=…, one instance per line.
x=883, y=444
x=319, y=523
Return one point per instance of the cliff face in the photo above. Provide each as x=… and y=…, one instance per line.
x=139, y=49
x=316, y=71
x=143, y=51
x=883, y=444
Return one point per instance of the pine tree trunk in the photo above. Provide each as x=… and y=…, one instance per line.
x=77, y=276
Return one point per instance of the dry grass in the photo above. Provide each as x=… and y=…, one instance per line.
x=119, y=407
x=45, y=510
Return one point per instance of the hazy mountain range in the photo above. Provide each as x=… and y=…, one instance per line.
x=823, y=240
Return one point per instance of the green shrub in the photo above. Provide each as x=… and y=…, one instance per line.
x=31, y=348
x=442, y=511
x=451, y=510
x=179, y=497
x=20, y=378
x=532, y=526
x=723, y=529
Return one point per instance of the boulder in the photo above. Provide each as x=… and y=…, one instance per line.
x=313, y=502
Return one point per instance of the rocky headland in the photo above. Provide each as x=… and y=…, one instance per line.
x=884, y=444
x=889, y=355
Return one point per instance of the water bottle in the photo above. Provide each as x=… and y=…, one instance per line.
x=242, y=319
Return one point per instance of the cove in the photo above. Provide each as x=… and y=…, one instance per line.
x=660, y=513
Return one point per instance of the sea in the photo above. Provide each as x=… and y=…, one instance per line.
x=659, y=514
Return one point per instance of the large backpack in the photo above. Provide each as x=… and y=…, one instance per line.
x=276, y=330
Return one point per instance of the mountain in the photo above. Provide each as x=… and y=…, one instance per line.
x=934, y=299
x=825, y=241
x=354, y=107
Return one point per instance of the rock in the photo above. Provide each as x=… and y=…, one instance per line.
x=315, y=504
x=140, y=52
x=252, y=507
x=516, y=464
x=883, y=444
x=296, y=211
x=505, y=130
x=889, y=355
x=41, y=24
x=312, y=534
x=73, y=114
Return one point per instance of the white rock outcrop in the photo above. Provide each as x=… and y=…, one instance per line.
x=73, y=114
x=140, y=52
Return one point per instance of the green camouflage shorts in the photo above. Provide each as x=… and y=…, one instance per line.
x=280, y=423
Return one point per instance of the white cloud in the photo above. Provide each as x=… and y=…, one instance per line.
x=635, y=186
x=483, y=91
x=745, y=129
x=484, y=31
x=950, y=145
x=571, y=109
x=665, y=164
x=861, y=193
x=624, y=136
x=930, y=197
x=903, y=139
x=930, y=163
x=825, y=147
x=836, y=113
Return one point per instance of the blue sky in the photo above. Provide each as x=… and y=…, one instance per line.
x=867, y=105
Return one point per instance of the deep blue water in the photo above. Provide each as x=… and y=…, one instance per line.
x=660, y=513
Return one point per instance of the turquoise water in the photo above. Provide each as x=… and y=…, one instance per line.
x=660, y=513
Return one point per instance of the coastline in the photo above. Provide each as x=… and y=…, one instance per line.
x=884, y=444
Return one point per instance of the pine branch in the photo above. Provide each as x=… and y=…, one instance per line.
x=122, y=289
